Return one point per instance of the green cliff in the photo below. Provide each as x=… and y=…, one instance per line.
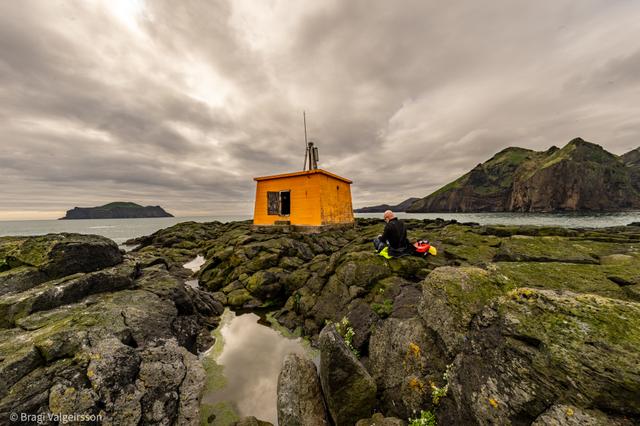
x=581, y=176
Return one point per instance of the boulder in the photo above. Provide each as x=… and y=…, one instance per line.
x=300, y=401
x=332, y=302
x=569, y=415
x=349, y=390
x=172, y=380
x=251, y=421
x=362, y=269
x=31, y=393
x=533, y=347
x=64, y=291
x=452, y=297
x=67, y=400
x=265, y=285
x=380, y=420
x=28, y=261
x=405, y=305
x=362, y=318
x=404, y=360
x=239, y=297
x=112, y=372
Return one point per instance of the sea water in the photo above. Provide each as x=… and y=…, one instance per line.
x=121, y=230
x=568, y=220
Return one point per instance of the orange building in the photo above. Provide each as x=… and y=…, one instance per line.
x=310, y=198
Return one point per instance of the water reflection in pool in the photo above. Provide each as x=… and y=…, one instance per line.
x=242, y=369
x=195, y=264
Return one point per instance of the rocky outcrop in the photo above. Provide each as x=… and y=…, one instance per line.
x=300, y=401
x=412, y=333
x=532, y=347
x=348, y=388
x=508, y=324
x=580, y=176
x=117, y=210
x=569, y=415
x=116, y=337
x=404, y=360
x=380, y=420
x=251, y=421
x=453, y=297
x=26, y=262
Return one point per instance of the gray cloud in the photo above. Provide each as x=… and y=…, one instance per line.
x=181, y=104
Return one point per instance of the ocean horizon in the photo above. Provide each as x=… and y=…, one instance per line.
x=121, y=230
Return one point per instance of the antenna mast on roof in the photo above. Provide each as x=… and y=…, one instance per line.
x=311, y=152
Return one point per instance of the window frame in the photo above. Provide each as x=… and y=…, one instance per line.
x=271, y=203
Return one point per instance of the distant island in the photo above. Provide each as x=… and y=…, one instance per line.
x=117, y=210
x=581, y=176
x=401, y=207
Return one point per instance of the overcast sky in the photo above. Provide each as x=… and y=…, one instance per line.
x=181, y=103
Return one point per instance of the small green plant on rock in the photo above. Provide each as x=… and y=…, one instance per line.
x=438, y=393
x=347, y=333
x=427, y=418
x=383, y=309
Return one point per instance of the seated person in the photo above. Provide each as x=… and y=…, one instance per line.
x=394, y=237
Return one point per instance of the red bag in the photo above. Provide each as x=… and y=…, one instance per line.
x=422, y=246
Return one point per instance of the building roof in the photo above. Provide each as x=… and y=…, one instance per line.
x=304, y=173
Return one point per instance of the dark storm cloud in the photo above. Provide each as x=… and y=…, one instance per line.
x=182, y=103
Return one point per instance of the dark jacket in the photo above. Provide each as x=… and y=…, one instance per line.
x=395, y=232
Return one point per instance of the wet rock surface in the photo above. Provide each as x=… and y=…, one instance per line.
x=300, y=401
x=404, y=361
x=348, y=388
x=28, y=261
x=507, y=325
x=380, y=420
x=99, y=333
x=531, y=346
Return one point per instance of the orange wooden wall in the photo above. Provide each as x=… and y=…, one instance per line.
x=316, y=199
x=336, y=200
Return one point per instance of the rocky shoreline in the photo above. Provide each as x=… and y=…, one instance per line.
x=507, y=325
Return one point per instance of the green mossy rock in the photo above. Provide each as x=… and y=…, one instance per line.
x=535, y=346
x=380, y=420
x=570, y=415
x=452, y=297
x=239, y=297
x=349, y=390
x=466, y=296
x=28, y=261
x=362, y=269
x=404, y=359
x=549, y=249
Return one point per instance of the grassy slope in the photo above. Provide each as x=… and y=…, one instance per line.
x=523, y=164
x=504, y=161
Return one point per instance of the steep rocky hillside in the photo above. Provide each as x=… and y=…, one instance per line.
x=579, y=177
x=632, y=160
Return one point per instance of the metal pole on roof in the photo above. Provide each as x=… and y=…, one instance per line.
x=306, y=145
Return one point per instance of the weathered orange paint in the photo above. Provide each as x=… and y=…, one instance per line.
x=317, y=198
